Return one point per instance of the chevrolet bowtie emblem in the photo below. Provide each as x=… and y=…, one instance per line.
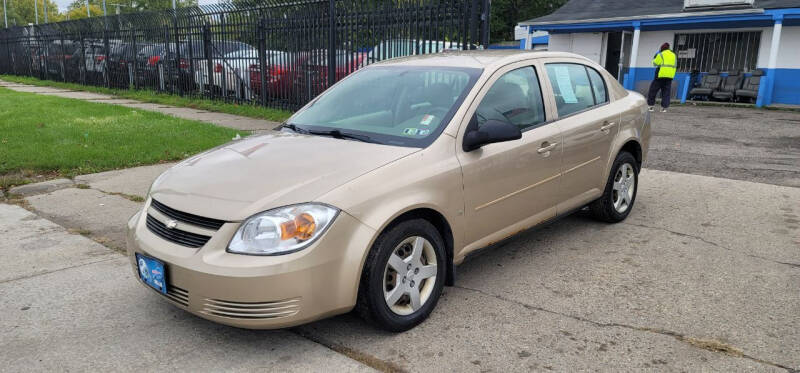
x=171, y=224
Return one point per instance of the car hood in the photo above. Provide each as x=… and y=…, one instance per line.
x=242, y=178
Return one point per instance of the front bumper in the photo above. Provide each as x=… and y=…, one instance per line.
x=259, y=292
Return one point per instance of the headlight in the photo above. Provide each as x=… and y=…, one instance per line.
x=283, y=230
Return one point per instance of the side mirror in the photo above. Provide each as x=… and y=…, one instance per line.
x=491, y=131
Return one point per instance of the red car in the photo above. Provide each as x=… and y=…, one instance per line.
x=278, y=75
x=301, y=76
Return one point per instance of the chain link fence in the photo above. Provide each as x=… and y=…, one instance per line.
x=276, y=53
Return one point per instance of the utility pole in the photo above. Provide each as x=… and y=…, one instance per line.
x=5, y=13
x=104, y=8
x=45, y=10
x=87, y=9
x=36, y=10
x=174, y=5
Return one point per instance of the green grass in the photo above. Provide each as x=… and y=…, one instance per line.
x=45, y=136
x=251, y=111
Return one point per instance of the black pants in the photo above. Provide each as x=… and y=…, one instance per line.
x=661, y=84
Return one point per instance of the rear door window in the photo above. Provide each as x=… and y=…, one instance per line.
x=598, y=86
x=571, y=87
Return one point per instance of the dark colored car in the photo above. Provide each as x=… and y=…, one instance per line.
x=149, y=59
x=59, y=59
x=119, y=63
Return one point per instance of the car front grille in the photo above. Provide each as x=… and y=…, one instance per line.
x=253, y=311
x=187, y=218
x=177, y=236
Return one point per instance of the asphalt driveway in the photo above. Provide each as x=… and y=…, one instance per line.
x=728, y=142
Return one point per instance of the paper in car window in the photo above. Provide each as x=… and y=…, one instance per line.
x=565, y=84
x=426, y=120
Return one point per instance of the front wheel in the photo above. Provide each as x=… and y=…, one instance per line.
x=403, y=276
x=620, y=192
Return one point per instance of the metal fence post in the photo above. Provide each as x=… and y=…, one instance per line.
x=107, y=48
x=82, y=62
x=223, y=74
x=161, y=76
x=473, y=25
x=63, y=61
x=262, y=60
x=177, y=52
x=45, y=52
x=168, y=58
x=331, y=43
x=485, y=22
x=209, y=63
x=135, y=65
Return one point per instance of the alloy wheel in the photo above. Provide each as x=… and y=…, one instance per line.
x=410, y=275
x=624, y=186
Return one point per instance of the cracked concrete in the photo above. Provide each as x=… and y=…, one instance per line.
x=705, y=344
x=680, y=234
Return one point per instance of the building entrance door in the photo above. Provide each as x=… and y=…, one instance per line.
x=618, y=50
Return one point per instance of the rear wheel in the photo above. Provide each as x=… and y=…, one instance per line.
x=403, y=276
x=620, y=192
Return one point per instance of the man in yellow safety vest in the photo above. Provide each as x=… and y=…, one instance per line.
x=666, y=64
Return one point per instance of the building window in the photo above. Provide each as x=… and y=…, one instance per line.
x=724, y=51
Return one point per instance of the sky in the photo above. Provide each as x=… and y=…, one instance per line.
x=63, y=4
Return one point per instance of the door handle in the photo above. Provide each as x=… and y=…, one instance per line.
x=546, y=148
x=606, y=127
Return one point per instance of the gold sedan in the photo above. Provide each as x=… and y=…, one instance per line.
x=371, y=195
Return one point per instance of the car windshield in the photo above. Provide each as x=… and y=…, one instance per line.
x=393, y=105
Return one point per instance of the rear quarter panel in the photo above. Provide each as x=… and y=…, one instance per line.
x=634, y=126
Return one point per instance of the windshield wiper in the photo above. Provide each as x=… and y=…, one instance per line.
x=342, y=135
x=335, y=133
x=294, y=128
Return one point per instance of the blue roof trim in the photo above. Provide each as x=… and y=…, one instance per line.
x=769, y=17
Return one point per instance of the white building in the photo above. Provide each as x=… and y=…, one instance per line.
x=727, y=35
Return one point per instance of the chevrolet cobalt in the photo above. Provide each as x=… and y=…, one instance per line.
x=368, y=197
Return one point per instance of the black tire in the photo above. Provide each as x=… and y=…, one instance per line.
x=603, y=208
x=371, y=304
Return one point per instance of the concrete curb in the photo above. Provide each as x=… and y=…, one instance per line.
x=41, y=188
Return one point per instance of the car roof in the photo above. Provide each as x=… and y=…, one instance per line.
x=474, y=58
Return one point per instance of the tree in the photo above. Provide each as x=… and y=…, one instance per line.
x=78, y=7
x=508, y=13
x=22, y=12
x=143, y=5
x=77, y=10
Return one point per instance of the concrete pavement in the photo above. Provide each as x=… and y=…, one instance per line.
x=220, y=119
x=702, y=276
x=70, y=304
